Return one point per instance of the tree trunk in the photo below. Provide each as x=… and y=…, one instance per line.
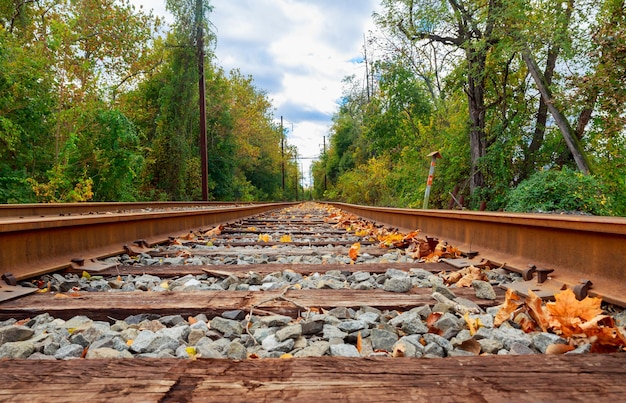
x=568, y=134
x=476, y=104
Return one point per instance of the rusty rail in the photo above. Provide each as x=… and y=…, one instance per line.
x=576, y=247
x=45, y=209
x=32, y=246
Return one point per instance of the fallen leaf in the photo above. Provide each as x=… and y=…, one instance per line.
x=559, y=348
x=509, y=306
x=568, y=313
x=192, y=320
x=129, y=342
x=285, y=238
x=253, y=356
x=86, y=275
x=264, y=238
x=473, y=324
x=286, y=356
x=119, y=278
x=359, y=342
x=398, y=350
x=471, y=346
x=188, y=237
x=214, y=232
x=354, y=251
x=536, y=310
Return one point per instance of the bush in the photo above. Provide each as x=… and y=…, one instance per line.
x=557, y=191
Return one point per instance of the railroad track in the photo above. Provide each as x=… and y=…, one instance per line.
x=265, y=281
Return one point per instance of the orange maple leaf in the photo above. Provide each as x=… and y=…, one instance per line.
x=568, y=313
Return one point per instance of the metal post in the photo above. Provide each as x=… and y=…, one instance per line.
x=431, y=173
x=202, y=104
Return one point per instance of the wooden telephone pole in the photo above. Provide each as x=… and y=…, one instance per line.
x=202, y=102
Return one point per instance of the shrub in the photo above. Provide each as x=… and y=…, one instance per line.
x=559, y=190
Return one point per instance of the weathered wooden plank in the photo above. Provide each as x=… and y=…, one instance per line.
x=242, y=270
x=469, y=379
x=119, y=305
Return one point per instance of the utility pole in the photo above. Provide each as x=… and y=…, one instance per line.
x=367, y=70
x=282, y=152
x=202, y=103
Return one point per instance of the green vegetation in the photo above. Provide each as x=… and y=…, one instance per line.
x=524, y=100
x=97, y=103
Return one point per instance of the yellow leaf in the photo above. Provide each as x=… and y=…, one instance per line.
x=191, y=351
x=286, y=356
x=129, y=342
x=119, y=278
x=264, y=238
x=86, y=275
x=252, y=229
x=285, y=238
x=473, y=324
x=165, y=285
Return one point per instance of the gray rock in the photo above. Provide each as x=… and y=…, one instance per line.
x=415, y=341
x=18, y=349
x=344, y=350
x=261, y=333
x=271, y=343
x=352, y=325
x=391, y=273
x=383, y=339
x=171, y=320
x=106, y=352
x=179, y=333
x=236, y=314
x=420, y=273
x=509, y=335
x=226, y=326
x=406, y=349
x=423, y=311
x=141, y=342
x=50, y=348
x=310, y=327
x=441, y=307
x=361, y=276
x=342, y=313
x=40, y=356
x=414, y=327
x=520, y=349
x=333, y=332
x=368, y=317
x=69, y=351
x=445, y=291
x=468, y=304
x=78, y=338
x=434, y=350
x=236, y=351
x=289, y=332
x=490, y=346
x=195, y=335
x=9, y=334
x=439, y=340
x=483, y=290
x=275, y=320
x=78, y=322
x=449, y=321
x=316, y=349
x=542, y=340
x=209, y=351
x=397, y=284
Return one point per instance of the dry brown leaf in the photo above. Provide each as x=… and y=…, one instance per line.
x=359, y=343
x=214, y=232
x=537, y=311
x=559, y=348
x=398, y=350
x=470, y=274
x=471, y=346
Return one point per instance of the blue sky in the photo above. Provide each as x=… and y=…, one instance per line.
x=297, y=51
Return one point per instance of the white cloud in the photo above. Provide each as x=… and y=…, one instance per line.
x=298, y=51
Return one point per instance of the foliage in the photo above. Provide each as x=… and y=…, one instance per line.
x=559, y=191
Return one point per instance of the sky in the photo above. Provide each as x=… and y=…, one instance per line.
x=297, y=51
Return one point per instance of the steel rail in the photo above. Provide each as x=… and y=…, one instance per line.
x=576, y=247
x=33, y=246
x=45, y=209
